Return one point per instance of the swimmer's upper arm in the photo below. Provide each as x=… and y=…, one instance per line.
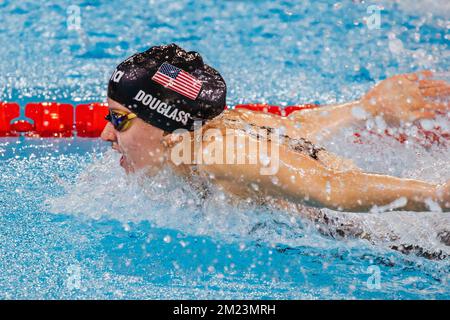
x=297, y=178
x=301, y=179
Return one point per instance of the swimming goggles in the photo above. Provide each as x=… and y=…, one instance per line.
x=120, y=119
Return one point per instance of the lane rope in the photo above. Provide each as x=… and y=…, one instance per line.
x=64, y=120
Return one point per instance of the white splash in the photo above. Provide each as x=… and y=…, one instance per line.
x=167, y=201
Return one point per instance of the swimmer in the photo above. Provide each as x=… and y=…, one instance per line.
x=167, y=107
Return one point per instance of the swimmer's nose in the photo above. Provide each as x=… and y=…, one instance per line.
x=109, y=133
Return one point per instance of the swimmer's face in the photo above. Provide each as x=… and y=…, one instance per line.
x=140, y=145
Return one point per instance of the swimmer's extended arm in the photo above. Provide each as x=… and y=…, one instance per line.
x=400, y=98
x=301, y=179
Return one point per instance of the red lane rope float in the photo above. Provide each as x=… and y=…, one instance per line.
x=275, y=109
x=289, y=109
x=21, y=126
x=260, y=108
x=90, y=119
x=51, y=119
x=8, y=111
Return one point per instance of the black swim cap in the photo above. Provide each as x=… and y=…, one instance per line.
x=168, y=87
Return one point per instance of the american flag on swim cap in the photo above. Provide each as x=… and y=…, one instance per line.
x=178, y=80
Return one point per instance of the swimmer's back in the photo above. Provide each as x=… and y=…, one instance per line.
x=291, y=134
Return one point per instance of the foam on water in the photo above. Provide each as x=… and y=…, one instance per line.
x=168, y=202
x=385, y=155
x=133, y=237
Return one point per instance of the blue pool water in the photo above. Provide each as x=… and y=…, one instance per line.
x=72, y=225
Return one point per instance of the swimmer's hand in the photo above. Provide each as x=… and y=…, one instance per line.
x=408, y=97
